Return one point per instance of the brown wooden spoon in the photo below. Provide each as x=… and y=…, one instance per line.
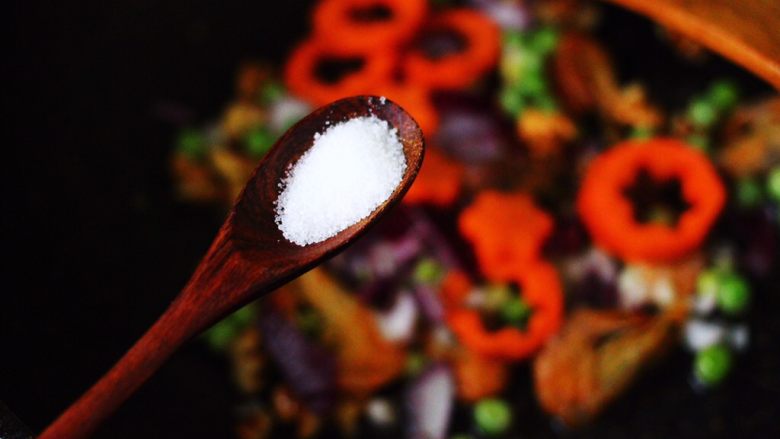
x=746, y=32
x=249, y=258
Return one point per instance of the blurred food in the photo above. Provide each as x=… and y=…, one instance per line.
x=564, y=221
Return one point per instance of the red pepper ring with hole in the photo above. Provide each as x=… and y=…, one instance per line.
x=609, y=215
x=460, y=69
x=351, y=27
x=302, y=77
x=540, y=290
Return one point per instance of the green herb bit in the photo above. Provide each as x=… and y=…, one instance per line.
x=192, y=143
x=544, y=40
x=496, y=296
x=699, y=141
x=415, y=362
x=428, y=271
x=511, y=101
x=641, y=132
x=749, y=192
x=516, y=312
x=309, y=321
x=773, y=183
x=513, y=39
x=272, y=91
x=258, y=141
x=221, y=334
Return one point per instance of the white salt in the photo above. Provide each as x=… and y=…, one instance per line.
x=350, y=170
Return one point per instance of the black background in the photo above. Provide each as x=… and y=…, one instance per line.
x=96, y=245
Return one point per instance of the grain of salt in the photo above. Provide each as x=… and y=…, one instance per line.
x=350, y=170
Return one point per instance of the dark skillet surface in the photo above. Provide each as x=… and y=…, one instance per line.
x=99, y=245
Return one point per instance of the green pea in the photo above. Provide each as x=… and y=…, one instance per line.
x=258, y=141
x=191, y=143
x=428, y=271
x=733, y=294
x=723, y=95
x=708, y=282
x=712, y=364
x=773, y=183
x=492, y=416
x=515, y=311
x=544, y=40
x=702, y=113
x=748, y=192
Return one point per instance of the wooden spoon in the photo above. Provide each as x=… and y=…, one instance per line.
x=249, y=258
x=746, y=32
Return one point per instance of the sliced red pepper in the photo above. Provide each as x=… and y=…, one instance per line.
x=460, y=69
x=506, y=230
x=438, y=182
x=301, y=73
x=609, y=215
x=347, y=27
x=541, y=290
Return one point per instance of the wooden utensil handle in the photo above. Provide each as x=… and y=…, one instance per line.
x=132, y=370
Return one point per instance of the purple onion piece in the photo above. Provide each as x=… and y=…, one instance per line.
x=429, y=303
x=440, y=247
x=429, y=401
x=307, y=368
x=471, y=130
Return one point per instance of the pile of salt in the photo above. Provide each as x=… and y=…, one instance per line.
x=350, y=170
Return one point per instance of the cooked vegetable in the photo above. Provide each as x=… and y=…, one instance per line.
x=609, y=174
x=308, y=369
x=492, y=416
x=507, y=232
x=541, y=290
x=712, y=364
x=361, y=26
x=460, y=68
x=733, y=294
x=429, y=400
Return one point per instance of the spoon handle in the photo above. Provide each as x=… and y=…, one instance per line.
x=221, y=283
x=135, y=367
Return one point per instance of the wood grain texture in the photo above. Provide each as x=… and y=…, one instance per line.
x=744, y=31
x=249, y=258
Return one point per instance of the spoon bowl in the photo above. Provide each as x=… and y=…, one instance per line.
x=248, y=258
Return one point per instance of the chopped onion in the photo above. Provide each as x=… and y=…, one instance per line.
x=429, y=401
x=700, y=334
x=397, y=324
